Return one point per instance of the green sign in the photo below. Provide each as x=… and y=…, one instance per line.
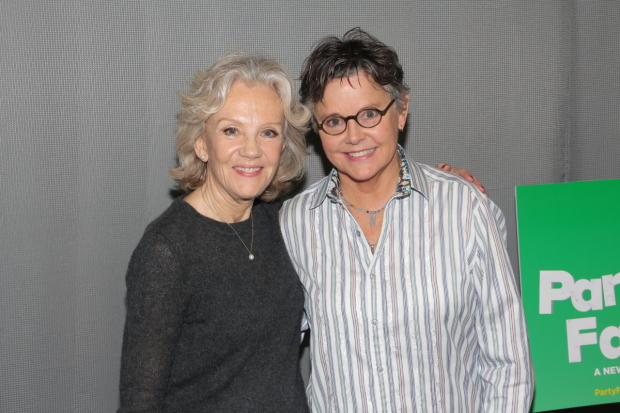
x=569, y=253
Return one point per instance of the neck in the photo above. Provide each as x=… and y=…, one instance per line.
x=224, y=208
x=219, y=205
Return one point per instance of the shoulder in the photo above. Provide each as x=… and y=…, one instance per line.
x=306, y=199
x=157, y=255
x=295, y=215
x=177, y=215
x=170, y=230
x=269, y=208
x=442, y=184
x=438, y=176
x=266, y=213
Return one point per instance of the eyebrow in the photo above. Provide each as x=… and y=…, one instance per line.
x=364, y=108
x=237, y=121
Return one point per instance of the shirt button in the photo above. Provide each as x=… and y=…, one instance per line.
x=380, y=369
x=372, y=276
x=358, y=234
x=375, y=322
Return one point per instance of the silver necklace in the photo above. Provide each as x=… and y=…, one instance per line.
x=249, y=250
x=373, y=214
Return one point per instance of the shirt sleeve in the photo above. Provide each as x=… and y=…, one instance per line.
x=304, y=322
x=504, y=357
x=500, y=220
x=154, y=318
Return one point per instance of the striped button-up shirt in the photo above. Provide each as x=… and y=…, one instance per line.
x=431, y=322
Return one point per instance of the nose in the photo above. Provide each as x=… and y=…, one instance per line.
x=354, y=132
x=250, y=148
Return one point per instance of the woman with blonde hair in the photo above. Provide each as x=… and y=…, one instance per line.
x=214, y=306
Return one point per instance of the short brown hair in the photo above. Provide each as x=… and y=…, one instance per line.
x=335, y=58
x=207, y=95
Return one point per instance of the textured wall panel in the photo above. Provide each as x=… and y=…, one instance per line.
x=517, y=92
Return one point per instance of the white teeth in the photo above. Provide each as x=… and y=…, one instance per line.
x=249, y=170
x=362, y=153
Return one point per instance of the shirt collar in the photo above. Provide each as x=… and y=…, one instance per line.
x=410, y=178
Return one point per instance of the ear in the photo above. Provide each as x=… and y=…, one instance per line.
x=402, y=116
x=200, y=148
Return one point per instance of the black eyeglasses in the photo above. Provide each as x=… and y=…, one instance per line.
x=366, y=118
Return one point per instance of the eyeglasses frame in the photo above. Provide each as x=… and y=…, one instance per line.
x=348, y=118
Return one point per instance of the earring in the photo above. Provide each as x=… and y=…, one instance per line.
x=202, y=157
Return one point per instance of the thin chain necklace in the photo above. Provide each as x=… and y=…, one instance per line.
x=249, y=250
x=373, y=214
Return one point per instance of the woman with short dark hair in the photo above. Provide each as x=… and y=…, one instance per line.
x=410, y=296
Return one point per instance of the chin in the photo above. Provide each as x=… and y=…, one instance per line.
x=250, y=194
x=359, y=175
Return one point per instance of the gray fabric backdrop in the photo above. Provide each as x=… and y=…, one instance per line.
x=517, y=92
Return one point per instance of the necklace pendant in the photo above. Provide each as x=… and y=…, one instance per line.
x=251, y=257
x=373, y=219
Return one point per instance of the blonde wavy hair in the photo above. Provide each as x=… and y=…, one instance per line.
x=208, y=92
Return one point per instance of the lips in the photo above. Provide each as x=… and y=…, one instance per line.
x=360, y=153
x=247, y=170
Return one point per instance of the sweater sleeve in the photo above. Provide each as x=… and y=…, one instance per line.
x=153, y=324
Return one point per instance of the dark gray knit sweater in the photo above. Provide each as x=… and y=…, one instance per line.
x=207, y=329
